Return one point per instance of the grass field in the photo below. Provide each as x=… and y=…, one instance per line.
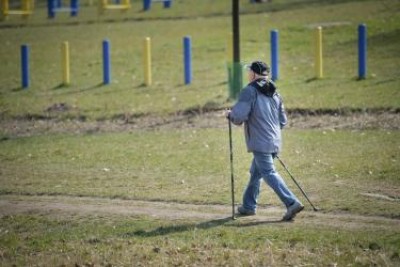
x=160, y=196
x=337, y=168
x=86, y=97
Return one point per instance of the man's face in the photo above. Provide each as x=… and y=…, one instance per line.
x=251, y=75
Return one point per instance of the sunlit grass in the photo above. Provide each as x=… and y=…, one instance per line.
x=88, y=98
x=192, y=166
x=145, y=241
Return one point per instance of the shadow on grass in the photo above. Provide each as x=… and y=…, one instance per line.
x=78, y=91
x=160, y=231
x=142, y=85
x=257, y=223
x=313, y=79
x=18, y=89
x=166, y=230
x=60, y=86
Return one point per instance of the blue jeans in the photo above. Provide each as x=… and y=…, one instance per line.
x=263, y=167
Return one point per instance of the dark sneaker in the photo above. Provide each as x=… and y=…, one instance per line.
x=292, y=211
x=245, y=212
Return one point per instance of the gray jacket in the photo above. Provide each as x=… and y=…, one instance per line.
x=261, y=110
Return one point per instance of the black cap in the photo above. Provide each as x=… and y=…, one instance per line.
x=259, y=68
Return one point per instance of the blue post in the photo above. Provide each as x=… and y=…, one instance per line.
x=274, y=55
x=59, y=3
x=167, y=3
x=362, y=51
x=187, y=47
x=146, y=5
x=74, y=8
x=25, y=66
x=106, y=62
x=50, y=8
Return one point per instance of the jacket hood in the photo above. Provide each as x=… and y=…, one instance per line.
x=264, y=86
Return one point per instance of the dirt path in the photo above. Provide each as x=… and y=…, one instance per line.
x=323, y=120
x=66, y=206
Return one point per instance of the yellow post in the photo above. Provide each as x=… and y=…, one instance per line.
x=147, y=61
x=65, y=63
x=102, y=6
x=26, y=8
x=318, y=53
x=124, y=5
x=5, y=8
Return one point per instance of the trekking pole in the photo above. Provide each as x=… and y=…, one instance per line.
x=294, y=180
x=232, y=177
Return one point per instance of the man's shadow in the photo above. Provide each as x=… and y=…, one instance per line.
x=166, y=230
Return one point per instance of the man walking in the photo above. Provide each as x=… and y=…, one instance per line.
x=261, y=110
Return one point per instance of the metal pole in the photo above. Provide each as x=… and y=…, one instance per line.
x=294, y=180
x=106, y=62
x=51, y=9
x=275, y=54
x=74, y=8
x=187, y=59
x=237, y=70
x=147, y=61
x=25, y=66
x=232, y=176
x=65, y=63
x=6, y=8
x=167, y=3
x=236, y=32
x=362, y=51
x=146, y=5
x=318, y=53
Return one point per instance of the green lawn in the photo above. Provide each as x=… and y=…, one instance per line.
x=337, y=168
x=296, y=23
x=142, y=241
